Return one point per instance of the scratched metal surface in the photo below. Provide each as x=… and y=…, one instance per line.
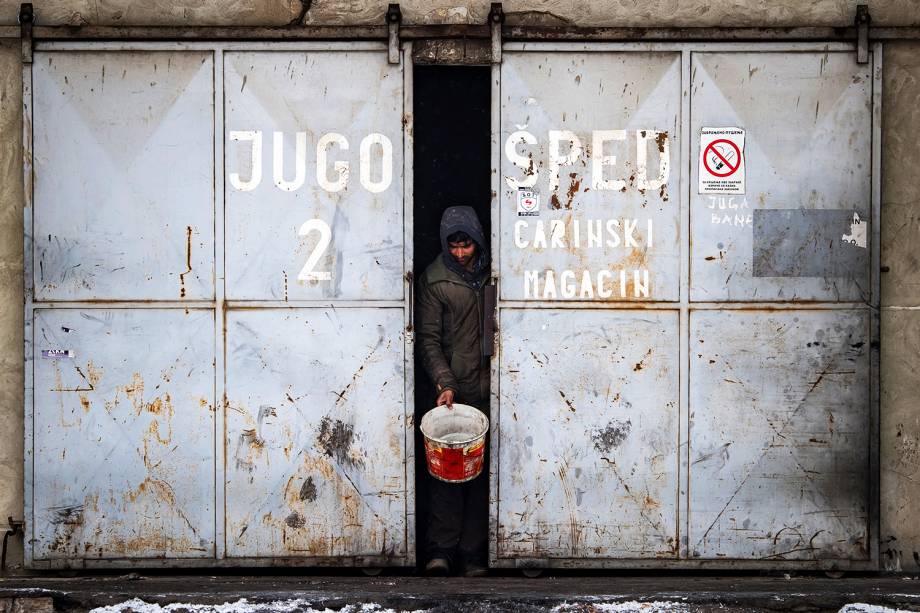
x=316, y=433
x=123, y=434
x=124, y=185
x=807, y=146
x=584, y=92
x=127, y=469
x=779, y=434
x=589, y=425
x=291, y=92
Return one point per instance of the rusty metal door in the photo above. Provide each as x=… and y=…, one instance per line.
x=588, y=379
x=780, y=388
x=218, y=369
x=318, y=373
x=684, y=379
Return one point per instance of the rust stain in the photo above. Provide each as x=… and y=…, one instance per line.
x=188, y=260
x=663, y=192
x=135, y=392
x=154, y=429
x=571, y=505
x=93, y=374
x=574, y=186
x=554, y=202
x=84, y=402
x=641, y=362
x=661, y=140
x=567, y=401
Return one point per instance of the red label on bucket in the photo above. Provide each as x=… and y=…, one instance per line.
x=457, y=464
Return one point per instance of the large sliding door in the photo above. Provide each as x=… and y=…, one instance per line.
x=684, y=375
x=218, y=364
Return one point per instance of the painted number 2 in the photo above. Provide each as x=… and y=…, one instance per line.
x=307, y=273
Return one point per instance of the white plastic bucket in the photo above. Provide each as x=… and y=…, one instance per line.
x=455, y=441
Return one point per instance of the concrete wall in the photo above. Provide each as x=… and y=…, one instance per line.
x=900, y=422
x=11, y=300
x=545, y=12
x=900, y=371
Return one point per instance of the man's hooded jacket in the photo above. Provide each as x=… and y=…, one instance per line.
x=450, y=313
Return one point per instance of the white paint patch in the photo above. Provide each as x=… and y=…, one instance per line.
x=298, y=605
x=857, y=235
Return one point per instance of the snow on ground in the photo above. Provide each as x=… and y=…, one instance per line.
x=631, y=606
x=298, y=605
x=136, y=605
x=859, y=607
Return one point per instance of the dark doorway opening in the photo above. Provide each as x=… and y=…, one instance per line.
x=451, y=166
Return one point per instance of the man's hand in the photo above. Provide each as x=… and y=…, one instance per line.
x=446, y=397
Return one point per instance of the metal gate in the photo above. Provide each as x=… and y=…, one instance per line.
x=218, y=369
x=684, y=378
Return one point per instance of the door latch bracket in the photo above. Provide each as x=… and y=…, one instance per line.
x=496, y=19
x=26, y=18
x=863, y=19
x=394, y=19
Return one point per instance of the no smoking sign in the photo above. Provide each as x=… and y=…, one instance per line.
x=721, y=161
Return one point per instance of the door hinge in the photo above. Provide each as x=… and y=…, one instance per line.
x=394, y=19
x=496, y=19
x=26, y=18
x=863, y=19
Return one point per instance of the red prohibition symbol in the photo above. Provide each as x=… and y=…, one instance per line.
x=724, y=160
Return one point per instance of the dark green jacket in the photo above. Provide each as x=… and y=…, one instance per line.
x=449, y=333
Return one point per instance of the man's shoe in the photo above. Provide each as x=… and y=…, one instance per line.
x=437, y=567
x=474, y=569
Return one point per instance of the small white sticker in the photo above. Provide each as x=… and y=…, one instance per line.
x=58, y=354
x=721, y=161
x=528, y=203
x=857, y=235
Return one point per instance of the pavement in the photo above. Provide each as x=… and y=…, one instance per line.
x=352, y=592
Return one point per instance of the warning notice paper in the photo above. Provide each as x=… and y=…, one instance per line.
x=722, y=161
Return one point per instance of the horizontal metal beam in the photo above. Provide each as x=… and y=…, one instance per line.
x=509, y=33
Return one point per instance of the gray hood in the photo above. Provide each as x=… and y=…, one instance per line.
x=464, y=219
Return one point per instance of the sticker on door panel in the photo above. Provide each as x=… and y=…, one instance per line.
x=528, y=203
x=722, y=161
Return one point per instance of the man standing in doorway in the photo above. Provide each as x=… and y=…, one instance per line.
x=449, y=332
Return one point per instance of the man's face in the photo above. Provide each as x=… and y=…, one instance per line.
x=463, y=251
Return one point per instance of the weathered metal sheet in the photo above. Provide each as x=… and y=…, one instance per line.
x=589, y=420
x=596, y=135
x=779, y=434
x=800, y=232
x=123, y=157
x=130, y=147
x=123, y=434
x=316, y=433
x=314, y=165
